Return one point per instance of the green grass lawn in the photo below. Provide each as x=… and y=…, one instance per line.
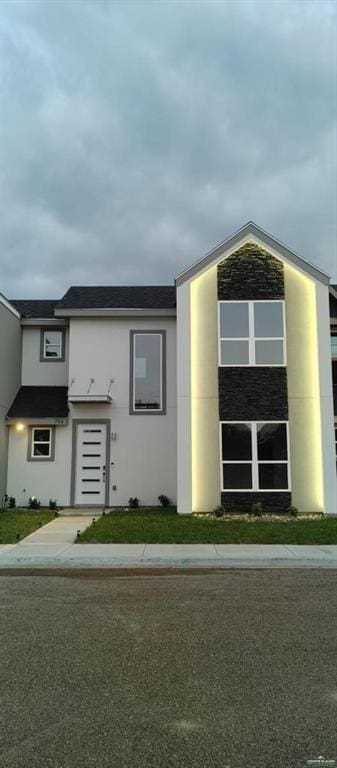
x=167, y=527
x=22, y=521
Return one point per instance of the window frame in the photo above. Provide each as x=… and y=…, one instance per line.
x=333, y=335
x=151, y=411
x=252, y=339
x=51, y=329
x=32, y=442
x=255, y=461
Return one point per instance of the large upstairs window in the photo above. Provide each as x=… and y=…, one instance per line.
x=254, y=456
x=251, y=333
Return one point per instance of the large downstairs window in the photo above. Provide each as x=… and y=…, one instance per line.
x=251, y=333
x=254, y=456
x=147, y=372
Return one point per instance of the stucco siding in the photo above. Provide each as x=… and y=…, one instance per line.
x=144, y=451
x=35, y=372
x=10, y=356
x=45, y=480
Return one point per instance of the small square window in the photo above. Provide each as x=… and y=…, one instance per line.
x=234, y=320
x=272, y=442
x=273, y=476
x=41, y=444
x=236, y=442
x=268, y=319
x=234, y=352
x=269, y=352
x=237, y=476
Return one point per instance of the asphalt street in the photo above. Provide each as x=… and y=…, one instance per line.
x=215, y=670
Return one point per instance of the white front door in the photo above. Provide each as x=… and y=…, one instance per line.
x=90, y=466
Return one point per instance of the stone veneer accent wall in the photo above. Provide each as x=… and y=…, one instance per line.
x=252, y=393
x=250, y=273
x=272, y=501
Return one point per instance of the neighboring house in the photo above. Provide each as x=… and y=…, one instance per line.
x=10, y=373
x=215, y=390
x=333, y=323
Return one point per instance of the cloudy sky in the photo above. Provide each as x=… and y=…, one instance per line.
x=137, y=135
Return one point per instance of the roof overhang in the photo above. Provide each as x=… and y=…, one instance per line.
x=108, y=312
x=50, y=322
x=89, y=399
x=5, y=303
x=252, y=233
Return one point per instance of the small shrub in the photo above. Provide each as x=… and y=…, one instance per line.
x=293, y=511
x=11, y=502
x=52, y=503
x=256, y=509
x=219, y=511
x=34, y=503
x=164, y=500
x=134, y=502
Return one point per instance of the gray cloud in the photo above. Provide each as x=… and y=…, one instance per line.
x=138, y=135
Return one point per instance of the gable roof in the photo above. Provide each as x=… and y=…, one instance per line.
x=40, y=403
x=35, y=308
x=118, y=297
x=251, y=230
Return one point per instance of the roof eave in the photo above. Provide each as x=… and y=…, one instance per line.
x=268, y=241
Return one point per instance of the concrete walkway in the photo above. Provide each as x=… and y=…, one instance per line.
x=53, y=546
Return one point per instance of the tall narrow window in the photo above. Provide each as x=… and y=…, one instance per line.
x=251, y=333
x=147, y=372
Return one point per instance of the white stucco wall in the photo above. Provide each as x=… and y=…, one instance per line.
x=10, y=357
x=43, y=373
x=43, y=479
x=144, y=452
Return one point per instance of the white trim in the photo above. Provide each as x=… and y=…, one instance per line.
x=251, y=233
x=252, y=339
x=9, y=306
x=255, y=461
x=147, y=410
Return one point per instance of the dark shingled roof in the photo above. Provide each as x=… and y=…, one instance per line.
x=119, y=297
x=35, y=307
x=40, y=402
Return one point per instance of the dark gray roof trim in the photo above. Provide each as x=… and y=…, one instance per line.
x=267, y=240
x=40, y=402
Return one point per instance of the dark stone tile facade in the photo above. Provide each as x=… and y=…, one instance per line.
x=241, y=502
x=253, y=393
x=250, y=273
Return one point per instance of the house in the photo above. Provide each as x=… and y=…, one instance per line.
x=215, y=390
